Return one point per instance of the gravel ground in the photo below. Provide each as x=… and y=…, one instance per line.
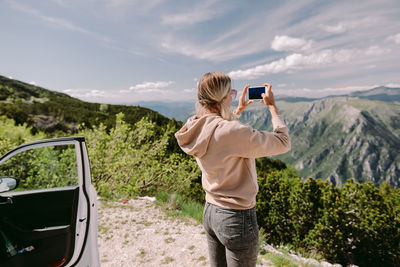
x=137, y=233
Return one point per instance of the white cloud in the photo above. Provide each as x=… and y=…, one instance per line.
x=338, y=28
x=148, y=86
x=362, y=22
x=393, y=85
x=293, y=62
x=298, y=61
x=376, y=51
x=395, y=38
x=191, y=90
x=132, y=96
x=86, y=93
x=32, y=82
x=308, y=92
x=212, y=50
x=286, y=43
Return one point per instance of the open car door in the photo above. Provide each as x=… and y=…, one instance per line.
x=50, y=218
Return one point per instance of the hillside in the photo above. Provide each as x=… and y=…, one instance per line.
x=51, y=111
x=337, y=138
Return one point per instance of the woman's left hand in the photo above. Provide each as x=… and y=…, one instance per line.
x=242, y=101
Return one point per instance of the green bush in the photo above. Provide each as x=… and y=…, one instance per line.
x=135, y=160
x=357, y=224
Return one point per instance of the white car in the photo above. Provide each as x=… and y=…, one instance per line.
x=48, y=208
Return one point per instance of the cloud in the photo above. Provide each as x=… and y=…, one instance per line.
x=199, y=13
x=395, y=38
x=216, y=50
x=124, y=8
x=338, y=28
x=286, y=43
x=298, y=61
x=376, y=51
x=91, y=95
x=56, y=22
x=59, y=2
x=393, y=85
x=191, y=90
x=294, y=61
x=151, y=85
x=141, y=93
x=309, y=92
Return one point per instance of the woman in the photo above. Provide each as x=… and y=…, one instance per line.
x=225, y=151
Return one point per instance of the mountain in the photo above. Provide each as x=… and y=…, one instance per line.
x=51, y=111
x=180, y=111
x=340, y=137
x=380, y=93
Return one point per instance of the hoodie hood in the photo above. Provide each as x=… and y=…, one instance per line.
x=195, y=135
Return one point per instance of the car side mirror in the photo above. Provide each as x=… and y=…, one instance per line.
x=8, y=183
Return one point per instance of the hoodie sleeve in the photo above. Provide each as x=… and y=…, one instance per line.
x=251, y=143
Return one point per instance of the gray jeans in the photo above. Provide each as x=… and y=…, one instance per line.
x=232, y=236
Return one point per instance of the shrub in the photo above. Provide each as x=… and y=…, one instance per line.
x=135, y=160
x=356, y=224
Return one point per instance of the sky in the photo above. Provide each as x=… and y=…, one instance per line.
x=129, y=51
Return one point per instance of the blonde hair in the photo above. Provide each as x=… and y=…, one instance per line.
x=212, y=89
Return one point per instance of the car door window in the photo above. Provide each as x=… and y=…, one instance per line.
x=43, y=167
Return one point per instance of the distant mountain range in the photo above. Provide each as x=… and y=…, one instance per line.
x=335, y=137
x=180, y=111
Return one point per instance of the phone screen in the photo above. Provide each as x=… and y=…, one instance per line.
x=255, y=92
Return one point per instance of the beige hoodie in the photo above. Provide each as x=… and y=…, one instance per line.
x=225, y=152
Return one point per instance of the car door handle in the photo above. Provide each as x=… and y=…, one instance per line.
x=6, y=201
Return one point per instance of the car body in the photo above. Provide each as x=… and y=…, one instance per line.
x=48, y=205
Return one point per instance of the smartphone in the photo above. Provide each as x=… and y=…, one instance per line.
x=255, y=92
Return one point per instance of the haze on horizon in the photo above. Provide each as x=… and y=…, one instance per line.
x=126, y=51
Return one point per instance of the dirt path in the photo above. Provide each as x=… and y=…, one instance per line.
x=138, y=233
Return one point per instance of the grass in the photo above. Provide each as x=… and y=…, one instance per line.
x=280, y=260
x=285, y=259
x=176, y=206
